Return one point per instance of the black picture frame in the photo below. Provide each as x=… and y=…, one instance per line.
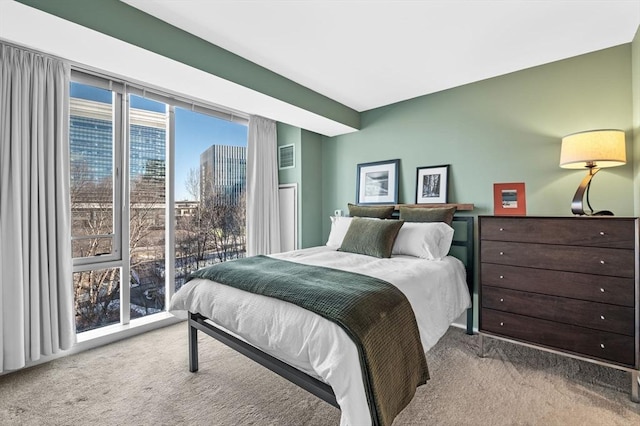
x=377, y=182
x=432, y=184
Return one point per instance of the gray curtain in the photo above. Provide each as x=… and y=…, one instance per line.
x=263, y=216
x=36, y=282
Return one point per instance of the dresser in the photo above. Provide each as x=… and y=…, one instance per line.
x=563, y=284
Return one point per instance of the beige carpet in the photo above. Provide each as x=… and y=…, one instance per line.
x=145, y=381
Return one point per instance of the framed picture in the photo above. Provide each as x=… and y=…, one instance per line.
x=432, y=184
x=377, y=183
x=509, y=199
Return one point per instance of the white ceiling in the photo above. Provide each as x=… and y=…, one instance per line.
x=366, y=54
x=88, y=49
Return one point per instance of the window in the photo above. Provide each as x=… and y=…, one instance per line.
x=148, y=141
x=93, y=174
x=95, y=150
x=210, y=191
x=133, y=153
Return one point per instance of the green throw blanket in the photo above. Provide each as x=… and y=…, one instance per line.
x=375, y=314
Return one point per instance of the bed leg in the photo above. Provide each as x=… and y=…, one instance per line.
x=634, y=386
x=470, y=321
x=193, y=348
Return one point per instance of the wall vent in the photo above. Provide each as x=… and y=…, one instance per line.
x=286, y=157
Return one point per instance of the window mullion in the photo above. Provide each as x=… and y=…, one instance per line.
x=124, y=147
x=170, y=219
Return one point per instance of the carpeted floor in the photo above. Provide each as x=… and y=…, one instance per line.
x=145, y=381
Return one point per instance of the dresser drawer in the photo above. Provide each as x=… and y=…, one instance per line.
x=600, y=316
x=588, y=260
x=610, y=347
x=596, y=288
x=587, y=231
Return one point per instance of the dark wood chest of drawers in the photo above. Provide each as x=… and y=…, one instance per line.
x=565, y=284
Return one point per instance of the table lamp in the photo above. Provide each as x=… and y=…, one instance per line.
x=593, y=149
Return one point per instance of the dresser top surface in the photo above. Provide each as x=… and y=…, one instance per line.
x=559, y=217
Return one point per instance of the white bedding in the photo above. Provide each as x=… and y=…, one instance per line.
x=437, y=291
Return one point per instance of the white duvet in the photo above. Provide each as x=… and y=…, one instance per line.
x=437, y=291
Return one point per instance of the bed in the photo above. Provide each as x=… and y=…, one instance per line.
x=313, y=352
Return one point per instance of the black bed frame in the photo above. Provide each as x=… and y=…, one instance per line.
x=462, y=248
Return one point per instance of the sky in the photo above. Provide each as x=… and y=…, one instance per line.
x=195, y=132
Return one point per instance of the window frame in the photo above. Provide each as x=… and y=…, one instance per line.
x=121, y=256
x=118, y=111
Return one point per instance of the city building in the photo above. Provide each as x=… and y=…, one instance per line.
x=91, y=141
x=223, y=171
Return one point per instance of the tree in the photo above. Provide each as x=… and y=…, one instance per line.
x=97, y=291
x=147, y=239
x=92, y=229
x=216, y=232
x=193, y=242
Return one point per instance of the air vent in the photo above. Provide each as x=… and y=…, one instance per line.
x=286, y=157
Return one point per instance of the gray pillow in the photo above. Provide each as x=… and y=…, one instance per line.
x=379, y=212
x=435, y=214
x=371, y=237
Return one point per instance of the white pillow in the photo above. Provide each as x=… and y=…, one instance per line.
x=339, y=228
x=427, y=240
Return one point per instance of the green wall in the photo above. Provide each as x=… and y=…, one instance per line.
x=308, y=152
x=504, y=129
x=311, y=190
x=290, y=135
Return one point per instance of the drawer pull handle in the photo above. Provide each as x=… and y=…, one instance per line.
x=601, y=290
x=501, y=253
x=602, y=233
x=501, y=300
x=501, y=276
x=602, y=345
x=501, y=229
x=602, y=262
x=501, y=324
x=601, y=317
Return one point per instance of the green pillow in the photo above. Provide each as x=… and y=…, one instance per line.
x=371, y=237
x=419, y=214
x=379, y=212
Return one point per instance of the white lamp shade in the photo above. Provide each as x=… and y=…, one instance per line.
x=600, y=148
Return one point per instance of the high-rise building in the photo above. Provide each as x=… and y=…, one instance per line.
x=91, y=142
x=92, y=158
x=223, y=170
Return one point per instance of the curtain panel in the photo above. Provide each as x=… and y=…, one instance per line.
x=36, y=283
x=263, y=215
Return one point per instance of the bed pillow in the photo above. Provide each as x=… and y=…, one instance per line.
x=379, y=212
x=371, y=237
x=419, y=214
x=339, y=227
x=426, y=240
